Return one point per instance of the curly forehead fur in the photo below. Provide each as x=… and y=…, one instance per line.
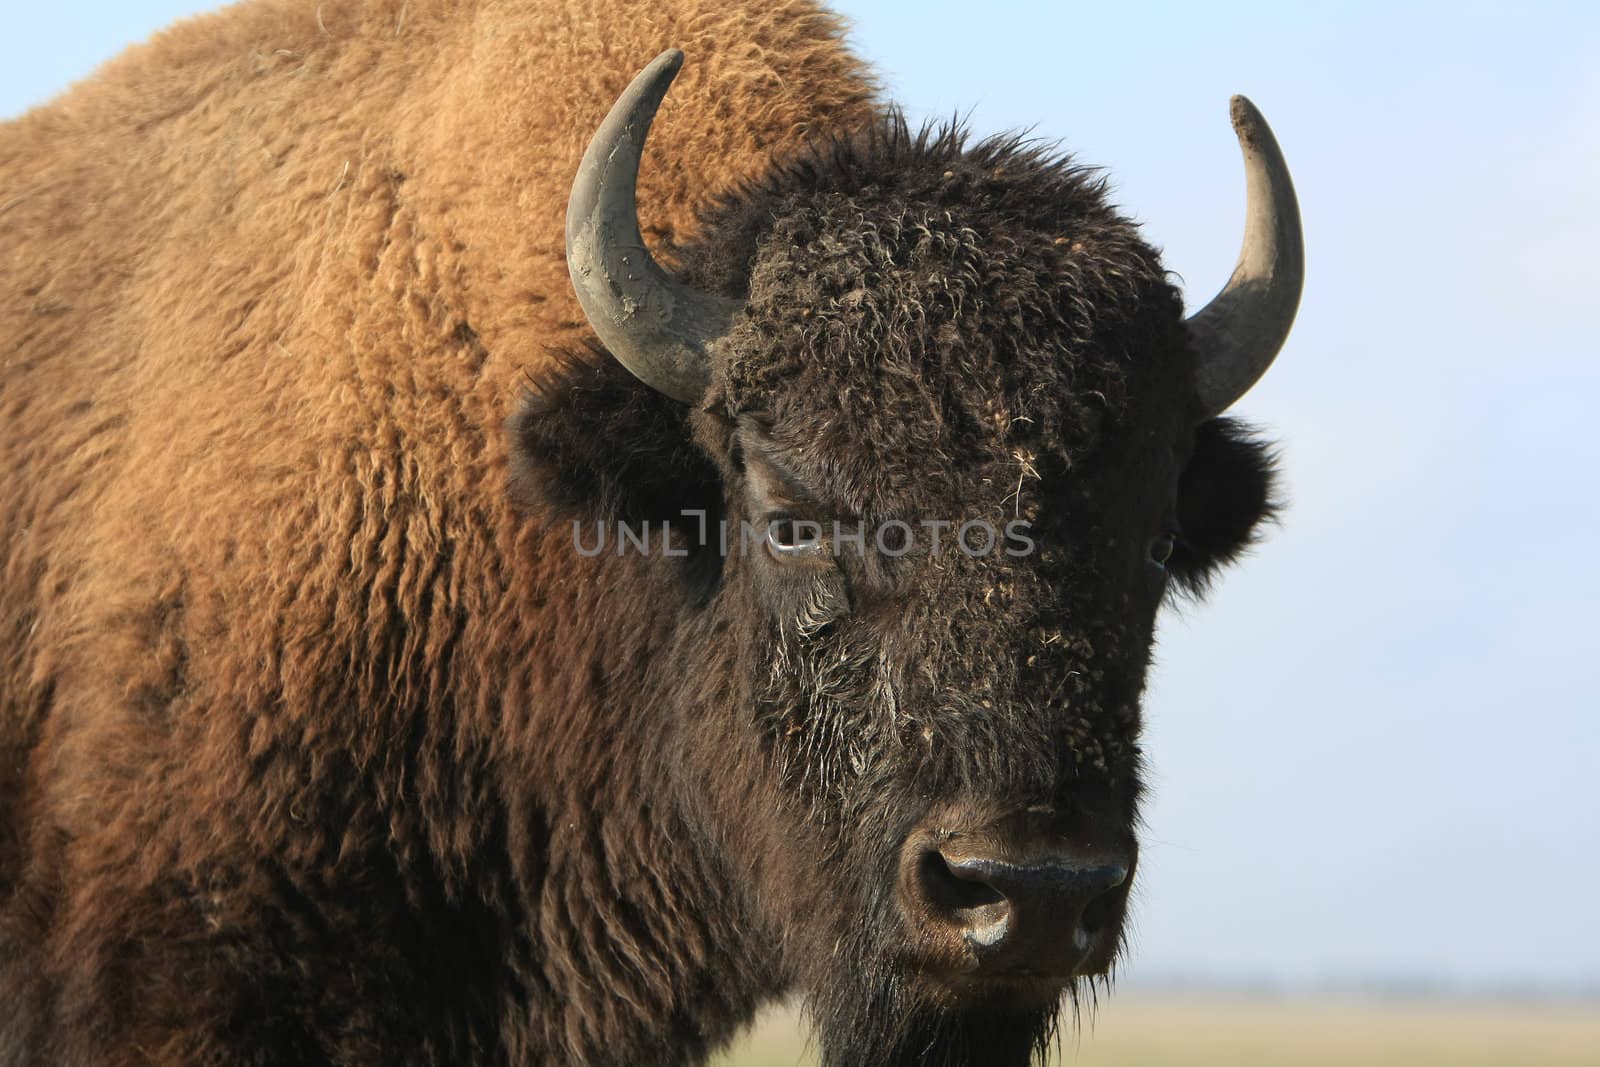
x=924, y=289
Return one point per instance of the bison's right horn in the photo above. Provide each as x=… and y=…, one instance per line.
x=656, y=327
x=1236, y=336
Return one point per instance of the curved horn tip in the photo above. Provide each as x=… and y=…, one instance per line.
x=668, y=62
x=1245, y=115
x=1249, y=125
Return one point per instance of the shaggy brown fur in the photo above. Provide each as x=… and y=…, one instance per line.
x=315, y=747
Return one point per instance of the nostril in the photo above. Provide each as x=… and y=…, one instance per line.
x=1102, y=909
x=952, y=887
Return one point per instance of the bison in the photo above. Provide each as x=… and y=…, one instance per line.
x=432, y=634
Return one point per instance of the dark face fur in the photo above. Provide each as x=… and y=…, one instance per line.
x=934, y=335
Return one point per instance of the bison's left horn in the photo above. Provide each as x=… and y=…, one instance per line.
x=656, y=327
x=1236, y=336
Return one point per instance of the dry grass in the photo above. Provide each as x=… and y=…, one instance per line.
x=1146, y=1030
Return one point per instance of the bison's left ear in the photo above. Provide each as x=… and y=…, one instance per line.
x=590, y=441
x=1225, y=494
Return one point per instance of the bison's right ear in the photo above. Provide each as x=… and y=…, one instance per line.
x=591, y=441
x=1226, y=493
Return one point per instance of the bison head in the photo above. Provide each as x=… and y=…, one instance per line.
x=954, y=396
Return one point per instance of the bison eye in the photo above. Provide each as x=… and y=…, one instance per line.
x=1161, y=547
x=791, y=538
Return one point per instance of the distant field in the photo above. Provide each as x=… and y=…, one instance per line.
x=1144, y=1030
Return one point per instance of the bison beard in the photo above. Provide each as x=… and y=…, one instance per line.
x=319, y=740
x=882, y=1023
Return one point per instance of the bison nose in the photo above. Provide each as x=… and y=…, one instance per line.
x=1043, y=914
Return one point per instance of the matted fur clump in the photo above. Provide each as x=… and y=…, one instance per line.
x=321, y=742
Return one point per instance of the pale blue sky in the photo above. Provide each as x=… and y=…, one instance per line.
x=1376, y=750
